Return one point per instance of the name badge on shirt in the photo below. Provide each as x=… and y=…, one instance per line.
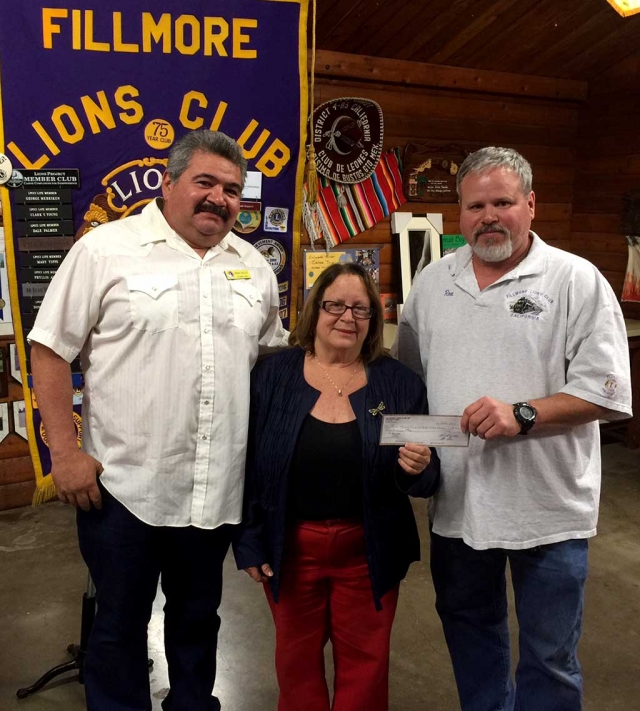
x=232, y=274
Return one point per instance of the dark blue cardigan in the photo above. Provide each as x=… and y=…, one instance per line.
x=280, y=400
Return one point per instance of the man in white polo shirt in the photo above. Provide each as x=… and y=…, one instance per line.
x=528, y=343
x=168, y=310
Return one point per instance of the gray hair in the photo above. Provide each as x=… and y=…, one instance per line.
x=490, y=158
x=206, y=141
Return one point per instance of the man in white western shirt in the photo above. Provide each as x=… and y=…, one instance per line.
x=528, y=343
x=168, y=310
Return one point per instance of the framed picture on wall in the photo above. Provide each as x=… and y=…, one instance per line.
x=419, y=244
x=4, y=420
x=14, y=363
x=315, y=262
x=4, y=372
x=20, y=418
x=430, y=171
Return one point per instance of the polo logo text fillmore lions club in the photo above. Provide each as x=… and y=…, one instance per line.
x=527, y=303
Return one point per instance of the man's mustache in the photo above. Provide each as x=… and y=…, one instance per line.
x=494, y=227
x=219, y=210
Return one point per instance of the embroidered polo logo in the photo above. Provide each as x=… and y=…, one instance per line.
x=526, y=305
x=610, y=385
x=377, y=410
x=448, y=292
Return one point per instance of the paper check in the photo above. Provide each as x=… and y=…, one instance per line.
x=432, y=430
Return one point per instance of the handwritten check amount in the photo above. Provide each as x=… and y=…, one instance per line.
x=432, y=430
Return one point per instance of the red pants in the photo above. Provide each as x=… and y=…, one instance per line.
x=325, y=594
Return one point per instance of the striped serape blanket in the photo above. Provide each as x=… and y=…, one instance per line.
x=344, y=211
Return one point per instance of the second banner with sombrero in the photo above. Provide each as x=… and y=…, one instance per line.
x=360, y=184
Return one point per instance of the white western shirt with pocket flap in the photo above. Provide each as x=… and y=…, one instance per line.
x=167, y=342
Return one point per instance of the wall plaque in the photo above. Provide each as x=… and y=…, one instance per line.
x=44, y=244
x=54, y=211
x=41, y=195
x=37, y=275
x=43, y=260
x=44, y=229
x=429, y=172
x=34, y=290
x=64, y=178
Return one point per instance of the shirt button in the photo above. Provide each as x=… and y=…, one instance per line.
x=206, y=402
x=207, y=367
x=204, y=436
x=205, y=296
x=206, y=330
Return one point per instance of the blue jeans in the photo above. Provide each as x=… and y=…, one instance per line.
x=126, y=557
x=548, y=583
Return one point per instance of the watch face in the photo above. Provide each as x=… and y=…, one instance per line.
x=526, y=412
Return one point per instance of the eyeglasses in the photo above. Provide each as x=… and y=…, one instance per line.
x=337, y=308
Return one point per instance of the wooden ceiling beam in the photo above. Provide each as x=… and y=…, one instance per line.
x=339, y=65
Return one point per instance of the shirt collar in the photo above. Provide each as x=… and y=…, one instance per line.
x=240, y=246
x=159, y=230
x=534, y=263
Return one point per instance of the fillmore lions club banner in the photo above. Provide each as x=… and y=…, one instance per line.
x=93, y=95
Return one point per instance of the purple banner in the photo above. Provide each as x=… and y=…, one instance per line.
x=92, y=96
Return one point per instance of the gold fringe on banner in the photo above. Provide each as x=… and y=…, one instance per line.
x=312, y=176
x=45, y=488
x=45, y=491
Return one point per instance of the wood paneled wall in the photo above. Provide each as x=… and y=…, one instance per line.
x=17, y=482
x=537, y=116
x=608, y=165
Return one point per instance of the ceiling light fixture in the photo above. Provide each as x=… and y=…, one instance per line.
x=626, y=7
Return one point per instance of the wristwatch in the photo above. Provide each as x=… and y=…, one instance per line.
x=526, y=415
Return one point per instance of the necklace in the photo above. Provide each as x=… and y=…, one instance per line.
x=329, y=378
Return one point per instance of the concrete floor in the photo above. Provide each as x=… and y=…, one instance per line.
x=42, y=579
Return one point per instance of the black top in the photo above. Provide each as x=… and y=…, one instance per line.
x=325, y=475
x=281, y=400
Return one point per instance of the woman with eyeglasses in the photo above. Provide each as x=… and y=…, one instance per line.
x=328, y=523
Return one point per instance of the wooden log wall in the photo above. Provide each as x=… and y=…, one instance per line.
x=608, y=165
x=17, y=482
x=427, y=103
